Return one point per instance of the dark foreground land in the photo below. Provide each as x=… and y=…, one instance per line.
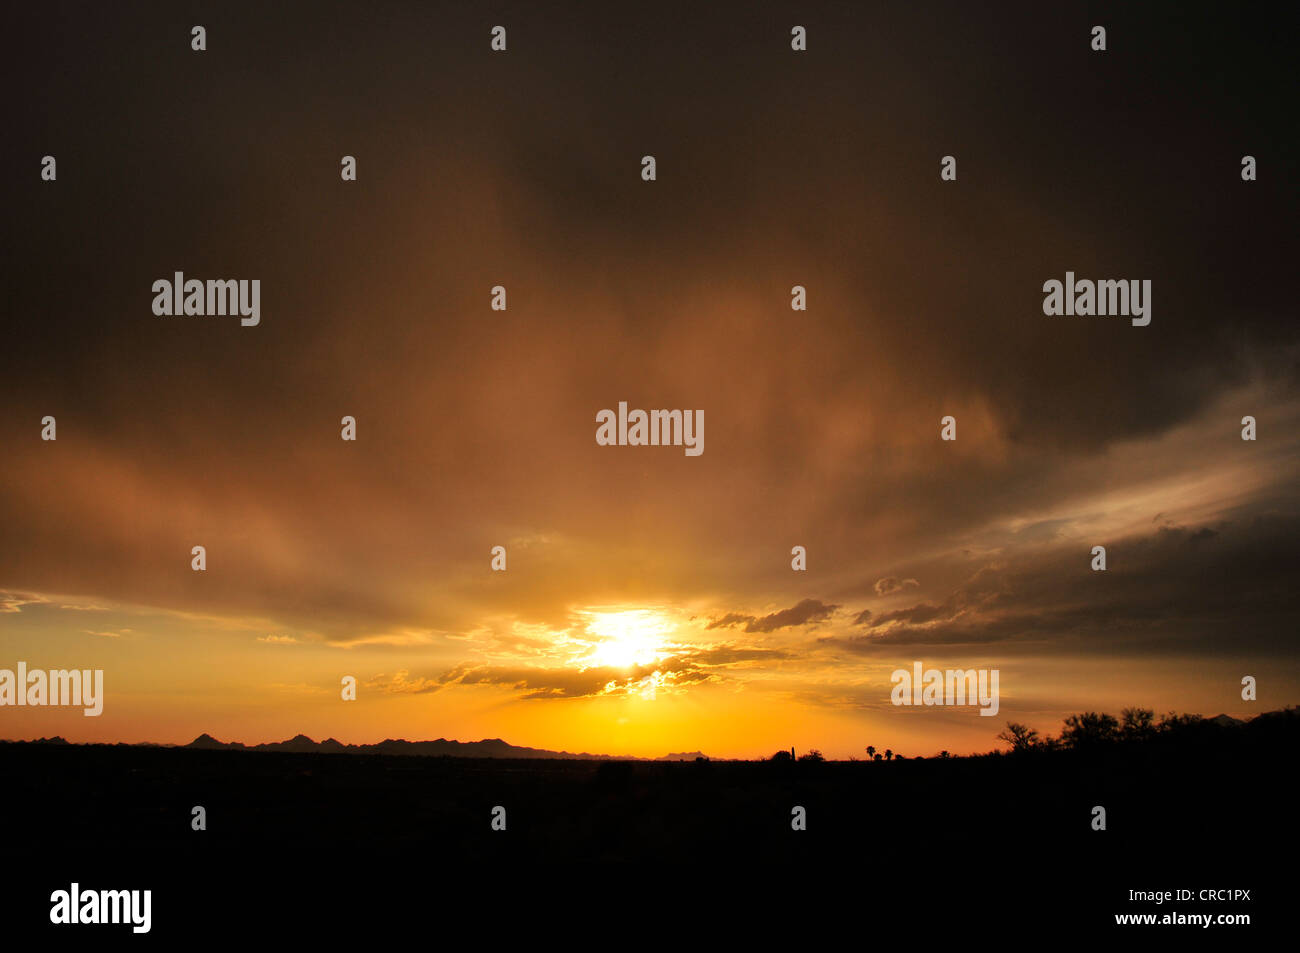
x=327, y=844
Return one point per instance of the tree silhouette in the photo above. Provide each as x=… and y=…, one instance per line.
x=1138, y=723
x=1020, y=737
x=871, y=751
x=1089, y=730
x=812, y=755
x=1174, y=721
x=889, y=755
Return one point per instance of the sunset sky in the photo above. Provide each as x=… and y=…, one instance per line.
x=649, y=603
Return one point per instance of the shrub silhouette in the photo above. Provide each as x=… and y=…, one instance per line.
x=1091, y=730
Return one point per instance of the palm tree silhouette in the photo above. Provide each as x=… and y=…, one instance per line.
x=871, y=751
x=889, y=754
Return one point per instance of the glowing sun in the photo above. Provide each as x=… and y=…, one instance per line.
x=626, y=639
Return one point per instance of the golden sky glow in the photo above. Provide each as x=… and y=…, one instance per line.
x=649, y=603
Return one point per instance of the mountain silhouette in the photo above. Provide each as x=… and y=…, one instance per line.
x=487, y=748
x=207, y=742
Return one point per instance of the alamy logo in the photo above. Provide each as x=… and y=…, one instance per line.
x=1105, y=297
x=655, y=428
x=103, y=906
x=951, y=687
x=77, y=688
x=179, y=296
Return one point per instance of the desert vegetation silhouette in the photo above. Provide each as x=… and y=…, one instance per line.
x=1092, y=731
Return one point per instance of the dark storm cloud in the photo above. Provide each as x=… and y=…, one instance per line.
x=1176, y=591
x=476, y=428
x=805, y=612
